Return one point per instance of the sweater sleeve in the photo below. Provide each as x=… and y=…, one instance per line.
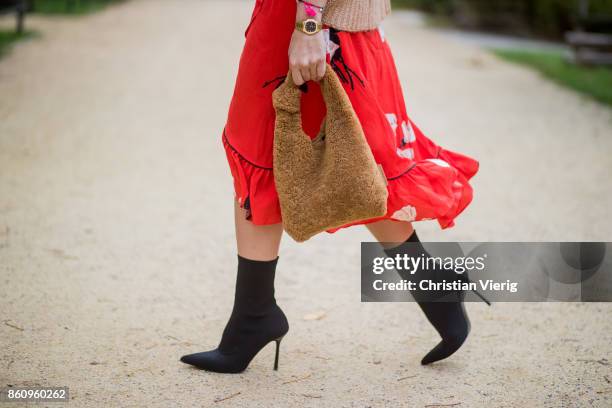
x=355, y=15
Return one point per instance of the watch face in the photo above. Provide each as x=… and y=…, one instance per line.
x=310, y=26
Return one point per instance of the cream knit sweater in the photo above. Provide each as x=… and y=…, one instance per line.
x=355, y=15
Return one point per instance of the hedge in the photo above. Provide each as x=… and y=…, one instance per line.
x=541, y=17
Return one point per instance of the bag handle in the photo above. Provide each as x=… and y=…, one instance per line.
x=286, y=98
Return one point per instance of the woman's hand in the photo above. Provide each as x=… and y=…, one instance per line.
x=307, y=57
x=307, y=52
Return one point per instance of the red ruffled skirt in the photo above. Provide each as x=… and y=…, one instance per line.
x=425, y=181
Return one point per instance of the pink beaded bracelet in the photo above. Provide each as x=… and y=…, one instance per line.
x=311, y=9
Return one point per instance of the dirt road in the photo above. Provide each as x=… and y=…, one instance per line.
x=117, y=246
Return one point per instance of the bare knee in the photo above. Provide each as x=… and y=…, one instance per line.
x=391, y=231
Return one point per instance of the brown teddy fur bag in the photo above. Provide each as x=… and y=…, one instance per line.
x=332, y=180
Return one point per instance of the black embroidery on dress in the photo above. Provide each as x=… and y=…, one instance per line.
x=278, y=79
x=337, y=62
x=281, y=79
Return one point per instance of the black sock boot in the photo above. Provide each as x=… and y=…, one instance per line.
x=448, y=317
x=256, y=320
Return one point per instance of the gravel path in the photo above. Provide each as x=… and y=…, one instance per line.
x=117, y=246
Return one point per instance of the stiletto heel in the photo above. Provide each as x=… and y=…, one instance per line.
x=448, y=317
x=256, y=321
x=467, y=279
x=276, y=355
x=481, y=296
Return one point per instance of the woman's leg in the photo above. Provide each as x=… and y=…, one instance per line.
x=256, y=242
x=256, y=319
x=449, y=318
x=390, y=232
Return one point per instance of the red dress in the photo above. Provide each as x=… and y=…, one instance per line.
x=425, y=181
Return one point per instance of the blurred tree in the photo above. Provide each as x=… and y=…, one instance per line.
x=549, y=18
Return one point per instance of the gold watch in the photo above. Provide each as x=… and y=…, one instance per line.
x=309, y=26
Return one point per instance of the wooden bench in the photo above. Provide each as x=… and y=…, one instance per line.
x=590, y=48
x=19, y=7
x=592, y=41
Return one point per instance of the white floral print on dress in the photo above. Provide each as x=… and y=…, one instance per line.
x=439, y=162
x=409, y=136
x=408, y=213
x=331, y=47
x=405, y=153
x=392, y=120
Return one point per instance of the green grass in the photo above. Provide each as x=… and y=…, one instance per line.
x=10, y=37
x=75, y=7
x=595, y=82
